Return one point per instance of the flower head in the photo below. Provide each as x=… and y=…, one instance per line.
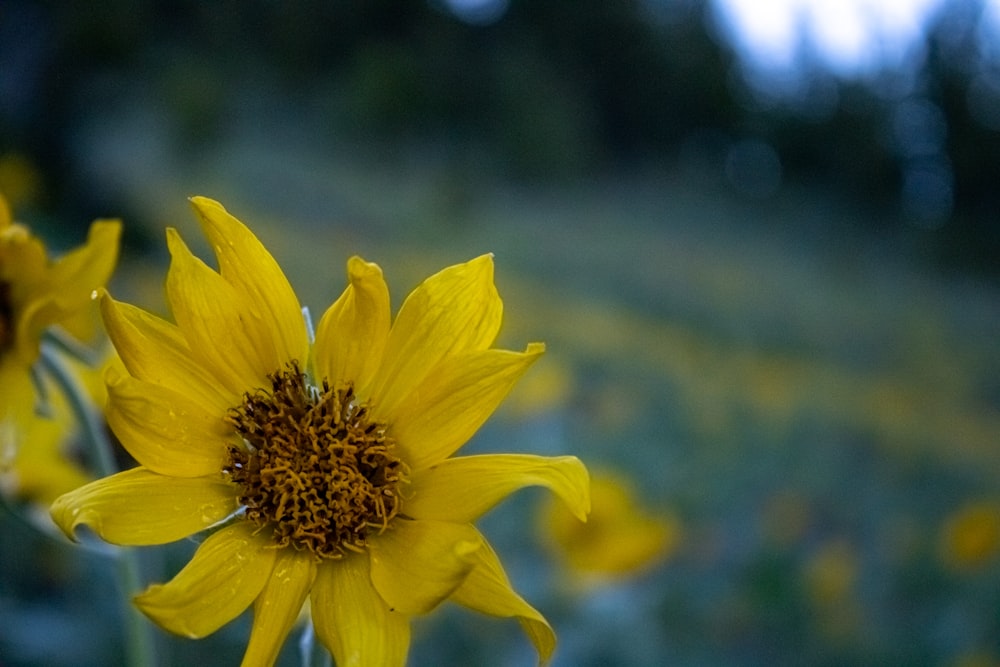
x=37, y=293
x=328, y=466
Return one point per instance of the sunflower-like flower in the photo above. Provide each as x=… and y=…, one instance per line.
x=325, y=469
x=37, y=293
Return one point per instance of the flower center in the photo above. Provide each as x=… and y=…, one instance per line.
x=6, y=317
x=314, y=467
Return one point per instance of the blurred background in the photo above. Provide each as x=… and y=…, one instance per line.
x=759, y=239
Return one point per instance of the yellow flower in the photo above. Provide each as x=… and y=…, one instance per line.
x=41, y=469
x=49, y=464
x=619, y=540
x=35, y=294
x=970, y=537
x=328, y=466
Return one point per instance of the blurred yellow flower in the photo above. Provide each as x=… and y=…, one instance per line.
x=546, y=389
x=37, y=293
x=52, y=462
x=831, y=572
x=970, y=537
x=329, y=465
x=975, y=658
x=43, y=468
x=620, y=539
x=19, y=179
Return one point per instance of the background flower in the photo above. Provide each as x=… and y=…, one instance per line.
x=622, y=537
x=36, y=294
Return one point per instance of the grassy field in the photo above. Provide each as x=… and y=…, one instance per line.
x=817, y=409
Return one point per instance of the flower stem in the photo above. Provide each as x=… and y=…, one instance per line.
x=307, y=648
x=139, y=644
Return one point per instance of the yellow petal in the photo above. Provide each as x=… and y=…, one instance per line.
x=17, y=398
x=278, y=605
x=164, y=430
x=217, y=322
x=79, y=272
x=22, y=256
x=225, y=575
x=5, y=217
x=456, y=310
x=453, y=401
x=154, y=350
x=42, y=479
x=353, y=621
x=463, y=489
x=72, y=280
x=247, y=265
x=33, y=465
x=139, y=507
x=487, y=589
x=416, y=565
x=352, y=333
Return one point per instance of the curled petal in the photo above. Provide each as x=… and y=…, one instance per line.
x=454, y=311
x=463, y=489
x=352, y=333
x=247, y=265
x=278, y=605
x=416, y=565
x=138, y=507
x=453, y=401
x=225, y=575
x=353, y=621
x=153, y=350
x=487, y=590
x=164, y=430
x=220, y=327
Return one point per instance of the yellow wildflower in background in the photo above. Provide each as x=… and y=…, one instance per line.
x=51, y=462
x=37, y=293
x=970, y=537
x=330, y=464
x=42, y=468
x=20, y=179
x=619, y=540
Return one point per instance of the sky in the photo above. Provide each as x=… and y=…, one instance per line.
x=852, y=38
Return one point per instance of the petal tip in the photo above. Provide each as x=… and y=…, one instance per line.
x=199, y=203
x=110, y=226
x=484, y=261
x=66, y=517
x=466, y=550
x=580, y=504
x=358, y=268
x=536, y=349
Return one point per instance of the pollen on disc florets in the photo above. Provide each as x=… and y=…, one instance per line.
x=313, y=467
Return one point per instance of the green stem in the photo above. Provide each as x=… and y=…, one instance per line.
x=139, y=644
x=307, y=648
x=306, y=644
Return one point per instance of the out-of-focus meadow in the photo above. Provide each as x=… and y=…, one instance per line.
x=771, y=307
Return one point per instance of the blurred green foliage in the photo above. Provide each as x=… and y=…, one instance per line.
x=547, y=91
